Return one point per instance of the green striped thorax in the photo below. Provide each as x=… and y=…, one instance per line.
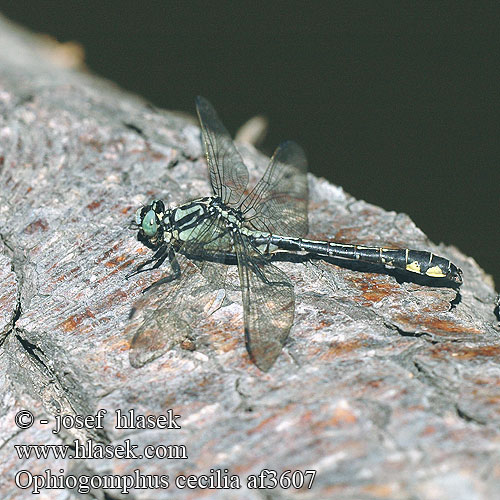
x=182, y=223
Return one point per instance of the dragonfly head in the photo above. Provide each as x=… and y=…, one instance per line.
x=150, y=222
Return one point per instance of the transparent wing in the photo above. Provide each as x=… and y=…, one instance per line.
x=209, y=238
x=268, y=304
x=278, y=202
x=228, y=173
x=210, y=248
x=166, y=314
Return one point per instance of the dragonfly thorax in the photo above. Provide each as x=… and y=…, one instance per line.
x=232, y=216
x=186, y=221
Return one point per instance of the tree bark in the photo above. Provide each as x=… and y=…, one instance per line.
x=388, y=388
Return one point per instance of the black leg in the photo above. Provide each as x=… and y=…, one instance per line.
x=176, y=268
x=159, y=258
x=255, y=268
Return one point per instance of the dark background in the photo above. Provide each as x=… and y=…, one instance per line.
x=396, y=102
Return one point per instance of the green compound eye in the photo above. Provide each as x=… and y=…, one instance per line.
x=149, y=225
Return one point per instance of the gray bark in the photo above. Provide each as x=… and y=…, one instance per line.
x=383, y=387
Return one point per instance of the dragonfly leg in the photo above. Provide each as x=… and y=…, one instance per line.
x=158, y=258
x=255, y=268
x=176, y=268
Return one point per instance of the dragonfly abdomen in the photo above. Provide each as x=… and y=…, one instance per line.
x=415, y=261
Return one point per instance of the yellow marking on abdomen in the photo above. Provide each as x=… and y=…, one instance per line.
x=414, y=267
x=435, y=272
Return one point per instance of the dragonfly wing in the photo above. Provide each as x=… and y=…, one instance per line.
x=268, y=304
x=209, y=250
x=166, y=315
x=228, y=173
x=278, y=202
x=161, y=319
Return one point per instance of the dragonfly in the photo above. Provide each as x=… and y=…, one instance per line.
x=248, y=226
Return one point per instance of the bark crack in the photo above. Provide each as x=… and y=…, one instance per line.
x=31, y=370
x=468, y=418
